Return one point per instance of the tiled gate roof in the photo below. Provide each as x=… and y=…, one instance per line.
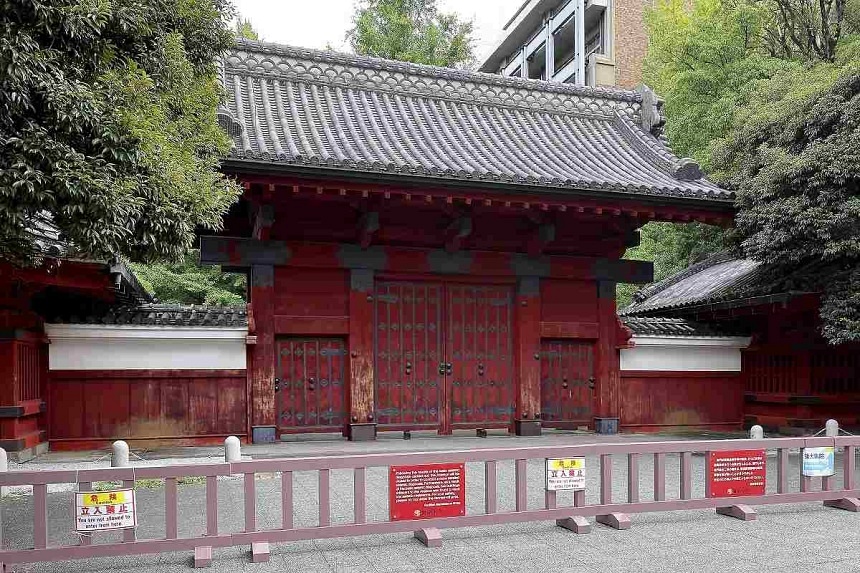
x=311, y=110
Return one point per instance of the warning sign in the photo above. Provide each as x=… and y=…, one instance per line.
x=426, y=491
x=103, y=511
x=738, y=473
x=565, y=474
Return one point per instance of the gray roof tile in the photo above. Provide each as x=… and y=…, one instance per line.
x=163, y=315
x=314, y=109
x=658, y=326
x=716, y=278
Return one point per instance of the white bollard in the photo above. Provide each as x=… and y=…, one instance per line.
x=232, y=450
x=4, y=467
x=119, y=455
x=756, y=433
x=831, y=429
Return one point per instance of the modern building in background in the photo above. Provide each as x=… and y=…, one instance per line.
x=584, y=42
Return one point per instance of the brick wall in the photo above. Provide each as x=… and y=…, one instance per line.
x=631, y=41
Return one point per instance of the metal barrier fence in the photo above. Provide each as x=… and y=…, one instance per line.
x=837, y=491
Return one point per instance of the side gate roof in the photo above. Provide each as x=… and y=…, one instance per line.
x=310, y=111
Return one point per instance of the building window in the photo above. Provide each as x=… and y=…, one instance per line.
x=564, y=40
x=594, y=37
x=536, y=64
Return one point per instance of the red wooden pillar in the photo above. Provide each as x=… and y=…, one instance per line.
x=607, y=362
x=262, y=371
x=362, y=424
x=527, y=321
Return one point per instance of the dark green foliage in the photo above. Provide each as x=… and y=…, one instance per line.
x=187, y=282
x=108, y=127
x=794, y=156
x=411, y=31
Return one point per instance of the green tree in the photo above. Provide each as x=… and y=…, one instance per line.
x=794, y=157
x=186, y=282
x=764, y=94
x=411, y=31
x=108, y=128
x=702, y=56
x=244, y=29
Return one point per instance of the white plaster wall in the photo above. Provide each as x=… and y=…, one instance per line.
x=682, y=354
x=91, y=347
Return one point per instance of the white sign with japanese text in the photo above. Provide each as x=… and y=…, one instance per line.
x=565, y=474
x=105, y=510
x=819, y=462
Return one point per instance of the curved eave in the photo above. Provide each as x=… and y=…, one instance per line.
x=584, y=190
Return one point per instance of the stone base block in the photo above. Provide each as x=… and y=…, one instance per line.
x=740, y=511
x=28, y=454
x=846, y=503
x=576, y=524
x=260, y=552
x=606, y=425
x=429, y=536
x=202, y=557
x=614, y=520
x=362, y=432
x=527, y=427
x=264, y=434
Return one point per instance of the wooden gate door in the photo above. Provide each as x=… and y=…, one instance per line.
x=480, y=387
x=443, y=356
x=409, y=356
x=567, y=377
x=310, y=388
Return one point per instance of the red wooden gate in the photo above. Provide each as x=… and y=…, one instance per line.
x=479, y=348
x=310, y=386
x=443, y=356
x=567, y=376
x=409, y=356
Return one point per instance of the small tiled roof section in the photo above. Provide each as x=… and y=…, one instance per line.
x=714, y=279
x=660, y=326
x=310, y=110
x=165, y=315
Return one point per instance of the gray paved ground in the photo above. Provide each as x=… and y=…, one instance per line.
x=785, y=538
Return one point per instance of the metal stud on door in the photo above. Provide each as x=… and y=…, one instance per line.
x=567, y=376
x=310, y=386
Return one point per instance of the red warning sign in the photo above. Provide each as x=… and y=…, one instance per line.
x=426, y=491
x=738, y=473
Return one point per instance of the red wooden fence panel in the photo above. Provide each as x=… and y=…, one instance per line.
x=655, y=401
x=101, y=405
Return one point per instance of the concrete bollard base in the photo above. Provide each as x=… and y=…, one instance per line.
x=576, y=524
x=430, y=537
x=740, y=511
x=614, y=520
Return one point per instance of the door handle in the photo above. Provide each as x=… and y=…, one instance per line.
x=591, y=382
x=311, y=382
x=277, y=384
x=446, y=368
